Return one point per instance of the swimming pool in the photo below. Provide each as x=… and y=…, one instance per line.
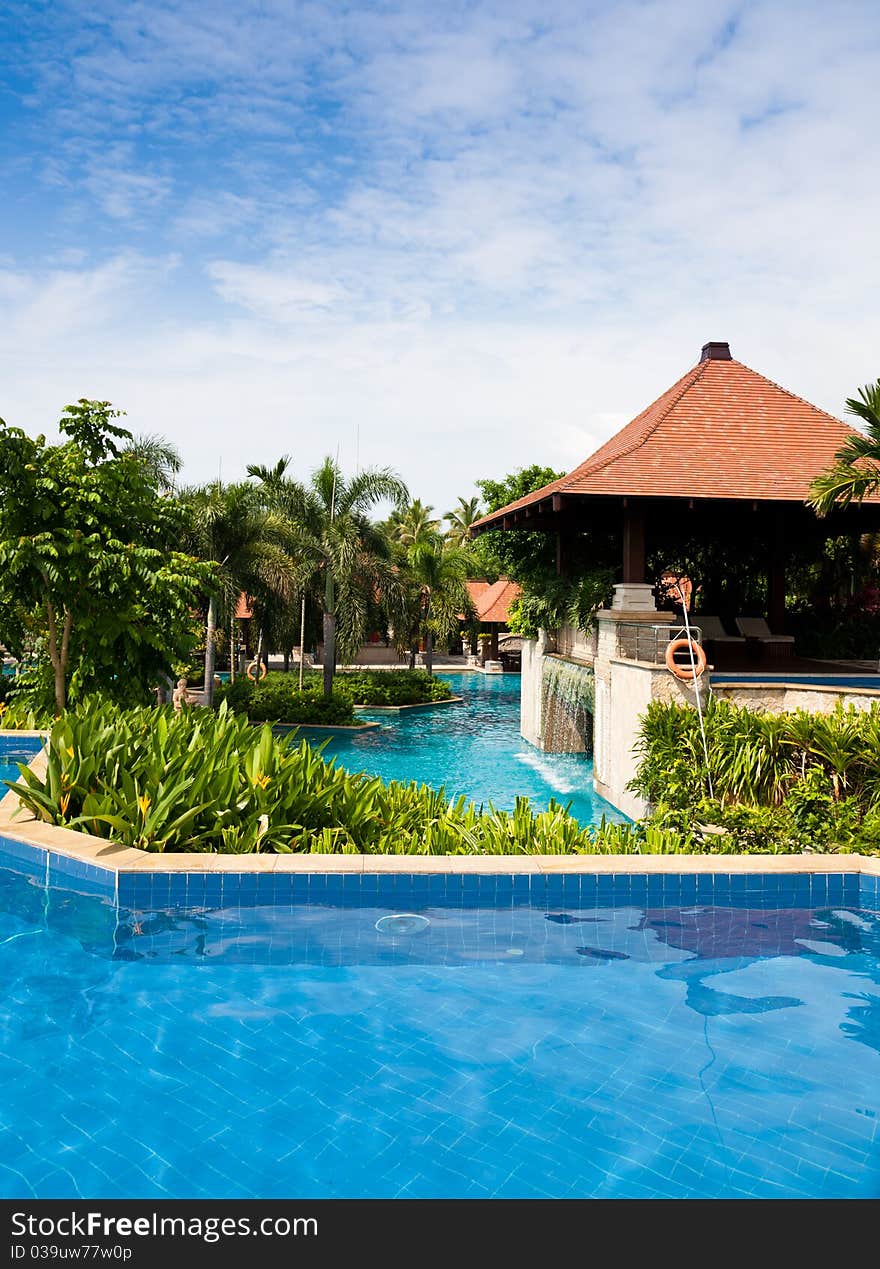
x=474, y=749
x=15, y=749
x=817, y=680
x=530, y=1036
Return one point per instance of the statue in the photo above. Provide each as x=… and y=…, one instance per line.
x=181, y=695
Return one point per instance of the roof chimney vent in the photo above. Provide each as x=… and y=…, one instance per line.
x=715, y=350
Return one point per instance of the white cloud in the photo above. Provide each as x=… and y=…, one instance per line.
x=486, y=235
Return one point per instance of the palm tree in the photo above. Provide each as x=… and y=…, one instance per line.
x=460, y=520
x=440, y=572
x=856, y=470
x=159, y=458
x=248, y=541
x=411, y=525
x=343, y=558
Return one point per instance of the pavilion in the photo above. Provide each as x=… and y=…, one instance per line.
x=723, y=453
x=491, y=602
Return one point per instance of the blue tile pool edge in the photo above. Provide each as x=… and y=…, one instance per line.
x=506, y=885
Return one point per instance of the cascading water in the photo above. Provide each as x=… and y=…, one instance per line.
x=567, y=705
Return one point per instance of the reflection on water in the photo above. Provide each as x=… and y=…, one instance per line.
x=508, y=1051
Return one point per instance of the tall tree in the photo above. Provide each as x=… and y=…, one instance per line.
x=250, y=545
x=89, y=548
x=344, y=559
x=856, y=470
x=160, y=459
x=460, y=520
x=440, y=572
x=413, y=525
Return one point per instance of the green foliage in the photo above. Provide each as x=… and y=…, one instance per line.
x=781, y=781
x=525, y=480
x=277, y=696
x=855, y=473
x=277, y=699
x=92, y=583
x=561, y=599
x=392, y=687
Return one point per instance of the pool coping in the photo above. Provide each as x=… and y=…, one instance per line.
x=113, y=858
x=400, y=709
x=288, y=728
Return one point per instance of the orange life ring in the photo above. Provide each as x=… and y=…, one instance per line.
x=685, y=672
x=259, y=669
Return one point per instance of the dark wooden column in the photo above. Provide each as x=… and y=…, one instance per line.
x=493, y=642
x=633, y=543
x=776, y=573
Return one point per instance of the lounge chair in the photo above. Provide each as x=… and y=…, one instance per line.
x=714, y=632
x=723, y=647
x=758, y=632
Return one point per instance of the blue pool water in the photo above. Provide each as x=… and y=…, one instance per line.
x=474, y=749
x=819, y=680
x=14, y=750
x=674, y=1038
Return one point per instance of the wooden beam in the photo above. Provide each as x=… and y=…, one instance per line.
x=776, y=574
x=633, y=544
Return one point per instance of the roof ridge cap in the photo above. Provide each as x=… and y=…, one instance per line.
x=692, y=376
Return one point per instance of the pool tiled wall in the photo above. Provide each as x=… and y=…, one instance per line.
x=146, y=889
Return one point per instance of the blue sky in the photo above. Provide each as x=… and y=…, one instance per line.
x=455, y=238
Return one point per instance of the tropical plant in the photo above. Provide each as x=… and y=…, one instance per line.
x=561, y=599
x=856, y=470
x=159, y=458
x=93, y=585
x=278, y=697
x=439, y=572
x=249, y=545
x=343, y=559
x=413, y=525
x=460, y=520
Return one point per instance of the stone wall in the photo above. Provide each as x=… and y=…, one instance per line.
x=779, y=698
x=575, y=643
x=530, y=721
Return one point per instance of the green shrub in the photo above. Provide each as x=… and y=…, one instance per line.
x=277, y=699
x=277, y=696
x=791, y=781
x=392, y=687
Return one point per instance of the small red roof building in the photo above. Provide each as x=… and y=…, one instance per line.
x=492, y=600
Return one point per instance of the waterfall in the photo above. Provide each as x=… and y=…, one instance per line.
x=567, y=706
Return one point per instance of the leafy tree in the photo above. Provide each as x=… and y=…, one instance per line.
x=522, y=554
x=250, y=545
x=89, y=559
x=526, y=480
x=343, y=559
x=856, y=470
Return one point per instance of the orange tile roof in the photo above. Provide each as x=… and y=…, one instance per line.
x=493, y=604
x=476, y=589
x=243, y=609
x=721, y=431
